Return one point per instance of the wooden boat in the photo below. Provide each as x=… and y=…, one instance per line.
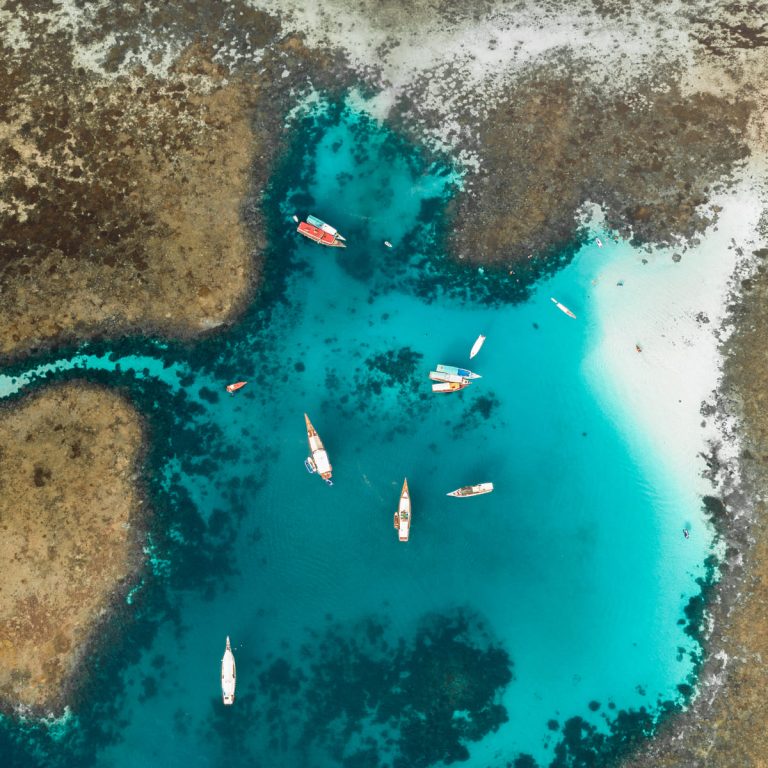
x=327, y=228
x=472, y=490
x=228, y=676
x=450, y=386
x=232, y=388
x=317, y=461
x=403, y=514
x=465, y=373
x=563, y=308
x=476, y=346
x=319, y=236
x=451, y=378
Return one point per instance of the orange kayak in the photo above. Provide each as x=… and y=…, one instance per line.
x=232, y=388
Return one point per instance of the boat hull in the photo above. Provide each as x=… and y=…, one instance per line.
x=563, y=308
x=471, y=490
x=445, y=387
x=228, y=676
x=319, y=236
x=453, y=370
x=318, y=460
x=403, y=514
x=476, y=346
x=320, y=224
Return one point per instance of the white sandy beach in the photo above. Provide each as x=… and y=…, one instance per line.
x=675, y=313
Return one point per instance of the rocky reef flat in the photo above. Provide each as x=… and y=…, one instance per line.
x=71, y=516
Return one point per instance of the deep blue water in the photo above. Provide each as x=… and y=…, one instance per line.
x=544, y=620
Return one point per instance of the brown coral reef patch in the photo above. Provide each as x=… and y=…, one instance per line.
x=651, y=156
x=70, y=524
x=122, y=191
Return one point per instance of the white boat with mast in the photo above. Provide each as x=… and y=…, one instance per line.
x=403, y=514
x=465, y=373
x=228, y=675
x=318, y=460
x=471, y=490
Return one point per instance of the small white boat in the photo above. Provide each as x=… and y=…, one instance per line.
x=403, y=514
x=450, y=386
x=295, y=218
x=318, y=460
x=599, y=242
x=387, y=243
x=464, y=372
x=228, y=676
x=471, y=490
x=476, y=346
x=563, y=308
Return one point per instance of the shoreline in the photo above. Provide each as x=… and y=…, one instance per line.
x=723, y=724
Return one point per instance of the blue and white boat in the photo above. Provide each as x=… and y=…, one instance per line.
x=320, y=224
x=454, y=371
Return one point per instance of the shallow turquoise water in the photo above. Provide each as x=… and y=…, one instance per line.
x=518, y=623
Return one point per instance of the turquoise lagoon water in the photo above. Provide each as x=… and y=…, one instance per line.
x=543, y=624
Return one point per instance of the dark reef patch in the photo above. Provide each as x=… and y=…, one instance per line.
x=410, y=689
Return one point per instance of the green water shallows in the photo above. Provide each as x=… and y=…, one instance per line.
x=558, y=596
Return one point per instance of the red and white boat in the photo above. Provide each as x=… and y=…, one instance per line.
x=403, y=514
x=232, y=388
x=320, y=232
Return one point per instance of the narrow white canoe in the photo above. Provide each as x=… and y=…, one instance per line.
x=472, y=490
x=476, y=346
x=228, y=675
x=563, y=308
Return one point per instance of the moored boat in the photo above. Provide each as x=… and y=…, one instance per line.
x=465, y=373
x=472, y=490
x=452, y=378
x=450, y=386
x=476, y=346
x=319, y=235
x=318, y=460
x=228, y=675
x=563, y=308
x=403, y=514
x=232, y=388
x=320, y=224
